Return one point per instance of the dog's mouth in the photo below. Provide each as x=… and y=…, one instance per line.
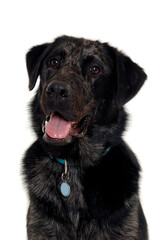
x=57, y=129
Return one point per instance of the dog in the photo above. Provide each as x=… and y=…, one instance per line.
x=82, y=178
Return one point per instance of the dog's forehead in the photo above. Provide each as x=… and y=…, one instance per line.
x=78, y=46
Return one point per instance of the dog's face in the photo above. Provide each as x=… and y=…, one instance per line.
x=82, y=83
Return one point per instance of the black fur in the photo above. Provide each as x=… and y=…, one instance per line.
x=104, y=201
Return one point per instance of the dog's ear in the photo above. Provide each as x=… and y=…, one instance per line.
x=129, y=77
x=34, y=59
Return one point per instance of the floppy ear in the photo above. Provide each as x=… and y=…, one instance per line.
x=33, y=61
x=129, y=77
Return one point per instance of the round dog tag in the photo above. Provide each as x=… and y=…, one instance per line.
x=65, y=189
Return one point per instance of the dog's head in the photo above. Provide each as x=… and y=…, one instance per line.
x=82, y=83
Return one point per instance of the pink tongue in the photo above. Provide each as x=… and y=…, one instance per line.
x=57, y=127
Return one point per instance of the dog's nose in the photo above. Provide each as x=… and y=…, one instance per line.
x=57, y=90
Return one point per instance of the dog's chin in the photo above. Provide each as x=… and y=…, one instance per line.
x=59, y=131
x=56, y=141
x=63, y=141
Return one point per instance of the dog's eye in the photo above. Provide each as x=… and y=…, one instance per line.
x=54, y=62
x=94, y=69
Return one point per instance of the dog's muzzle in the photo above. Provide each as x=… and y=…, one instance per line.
x=65, y=115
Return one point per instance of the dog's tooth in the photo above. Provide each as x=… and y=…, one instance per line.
x=43, y=127
x=47, y=118
x=82, y=134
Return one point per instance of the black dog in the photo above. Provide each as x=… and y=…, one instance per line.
x=82, y=178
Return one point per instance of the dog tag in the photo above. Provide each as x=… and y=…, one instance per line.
x=64, y=187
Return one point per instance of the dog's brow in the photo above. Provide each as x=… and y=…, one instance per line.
x=90, y=59
x=59, y=52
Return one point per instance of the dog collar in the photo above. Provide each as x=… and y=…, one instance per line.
x=62, y=161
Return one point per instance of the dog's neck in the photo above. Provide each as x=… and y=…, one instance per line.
x=62, y=161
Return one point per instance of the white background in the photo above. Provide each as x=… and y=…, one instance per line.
x=132, y=26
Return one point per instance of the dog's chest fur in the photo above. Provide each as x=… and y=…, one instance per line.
x=75, y=202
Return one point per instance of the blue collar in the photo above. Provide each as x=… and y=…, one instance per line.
x=105, y=153
x=62, y=161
